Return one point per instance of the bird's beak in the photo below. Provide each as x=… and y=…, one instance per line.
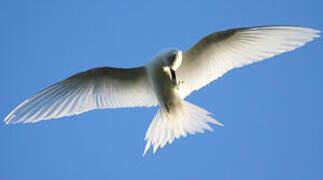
x=173, y=74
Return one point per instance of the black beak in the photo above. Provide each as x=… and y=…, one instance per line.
x=174, y=81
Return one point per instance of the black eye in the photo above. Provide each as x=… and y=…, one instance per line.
x=172, y=57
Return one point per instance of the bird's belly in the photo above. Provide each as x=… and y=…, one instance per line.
x=167, y=94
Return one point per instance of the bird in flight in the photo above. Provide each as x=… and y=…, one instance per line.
x=165, y=81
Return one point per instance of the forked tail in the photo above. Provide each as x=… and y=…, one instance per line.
x=166, y=126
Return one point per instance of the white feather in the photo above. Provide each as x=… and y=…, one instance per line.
x=219, y=52
x=94, y=89
x=206, y=61
x=166, y=126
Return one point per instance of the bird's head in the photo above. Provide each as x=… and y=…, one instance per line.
x=172, y=58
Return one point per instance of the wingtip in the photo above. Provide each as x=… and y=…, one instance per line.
x=315, y=30
x=316, y=33
x=7, y=119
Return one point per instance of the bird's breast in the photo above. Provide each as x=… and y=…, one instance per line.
x=165, y=91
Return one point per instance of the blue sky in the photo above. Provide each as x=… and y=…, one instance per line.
x=272, y=110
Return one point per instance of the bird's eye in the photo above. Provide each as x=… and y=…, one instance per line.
x=172, y=57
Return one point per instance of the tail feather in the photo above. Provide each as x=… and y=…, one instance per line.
x=166, y=126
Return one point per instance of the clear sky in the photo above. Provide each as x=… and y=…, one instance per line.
x=272, y=110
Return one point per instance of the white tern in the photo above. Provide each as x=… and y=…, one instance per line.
x=165, y=81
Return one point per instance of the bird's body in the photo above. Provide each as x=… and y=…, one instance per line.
x=166, y=80
x=160, y=77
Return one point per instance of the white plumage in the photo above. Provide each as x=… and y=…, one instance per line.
x=166, y=80
x=94, y=89
x=222, y=51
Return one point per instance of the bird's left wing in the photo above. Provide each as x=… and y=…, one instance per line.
x=220, y=52
x=96, y=88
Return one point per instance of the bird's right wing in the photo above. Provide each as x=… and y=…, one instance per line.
x=219, y=52
x=97, y=88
